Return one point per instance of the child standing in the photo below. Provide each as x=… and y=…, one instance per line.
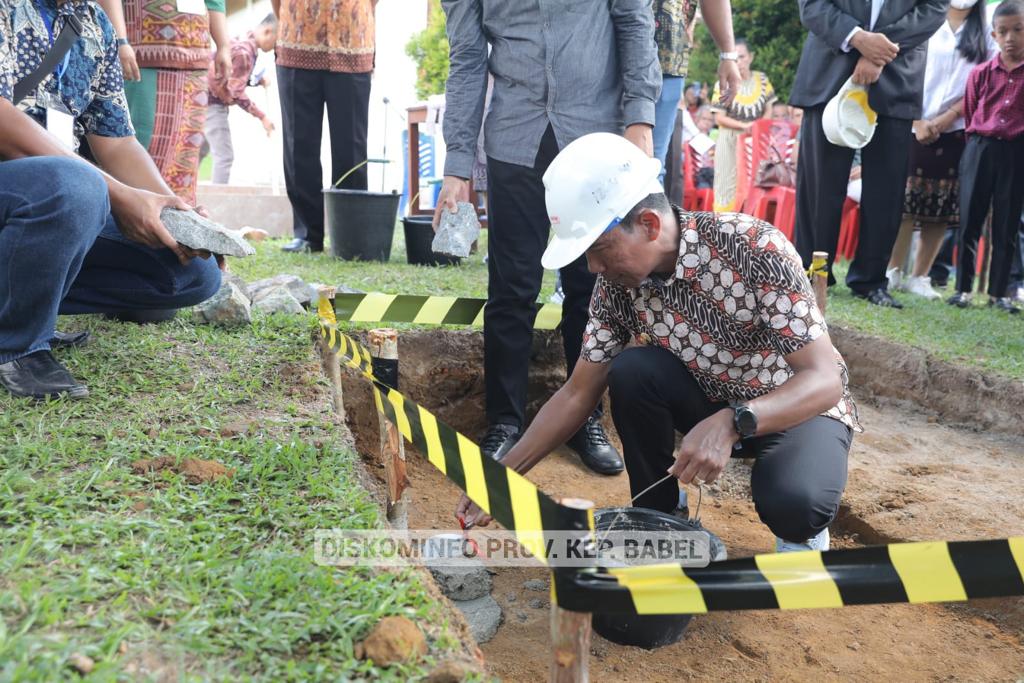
x=992, y=166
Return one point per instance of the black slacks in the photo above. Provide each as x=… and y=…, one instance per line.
x=304, y=93
x=823, y=172
x=799, y=474
x=991, y=175
x=517, y=234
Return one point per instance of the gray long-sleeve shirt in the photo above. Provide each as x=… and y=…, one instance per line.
x=585, y=66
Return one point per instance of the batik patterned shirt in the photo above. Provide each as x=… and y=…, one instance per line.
x=738, y=302
x=90, y=88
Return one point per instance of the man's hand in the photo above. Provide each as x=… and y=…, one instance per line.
x=706, y=449
x=469, y=515
x=926, y=132
x=866, y=72
x=641, y=135
x=222, y=63
x=268, y=125
x=129, y=65
x=875, y=47
x=453, y=190
x=728, y=82
x=138, y=218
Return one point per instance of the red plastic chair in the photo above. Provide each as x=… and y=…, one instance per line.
x=777, y=205
x=695, y=199
x=849, y=230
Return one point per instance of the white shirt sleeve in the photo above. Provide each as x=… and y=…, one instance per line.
x=846, y=43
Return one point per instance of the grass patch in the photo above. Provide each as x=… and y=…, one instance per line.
x=152, y=576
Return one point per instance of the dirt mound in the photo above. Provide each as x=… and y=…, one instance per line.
x=194, y=470
x=393, y=639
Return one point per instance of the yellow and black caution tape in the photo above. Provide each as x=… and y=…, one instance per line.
x=426, y=310
x=819, y=266
x=901, y=572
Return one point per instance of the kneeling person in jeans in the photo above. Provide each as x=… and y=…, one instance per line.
x=73, y=238
x=703, y=324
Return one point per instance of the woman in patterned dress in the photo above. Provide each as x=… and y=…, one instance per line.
x=754, y=101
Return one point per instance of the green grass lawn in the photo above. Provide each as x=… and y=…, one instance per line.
x=150, y=575
x=975, y=337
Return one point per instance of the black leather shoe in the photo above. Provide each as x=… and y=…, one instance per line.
x=879, y=297
x=1004, y=304
x=68, y=340
x=39, y=376
x=960, y=300
x=499, y=440
x=299, y=246
x=594, y=449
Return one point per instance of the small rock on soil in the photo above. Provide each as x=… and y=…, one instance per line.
x=393, y=639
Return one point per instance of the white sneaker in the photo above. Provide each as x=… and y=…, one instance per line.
x=820, y=542
x=895, y=278
x=922, y=286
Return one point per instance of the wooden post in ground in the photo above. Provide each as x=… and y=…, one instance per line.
x=327, y=355
x=819, y=278
x=384, y=352
x=570, y=631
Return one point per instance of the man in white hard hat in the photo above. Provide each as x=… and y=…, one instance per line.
x=700, y=323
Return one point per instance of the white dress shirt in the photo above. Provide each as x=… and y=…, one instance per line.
x=946, y=72
x=876, y=9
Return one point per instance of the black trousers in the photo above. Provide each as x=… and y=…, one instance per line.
x=798, y=476
x=823, y=172
x=991, y=175
x=517, y=234
x=304, y=93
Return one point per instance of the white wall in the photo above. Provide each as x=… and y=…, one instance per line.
x=258, y=159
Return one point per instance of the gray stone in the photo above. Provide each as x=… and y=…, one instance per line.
x=457, y=231
x=278, y=300
x=345, y=289
x=537, y=603
x=295, y=285
x=197, y=232
x=459, y=577
x=522, y=617
x=510, y=597
x=229, y=306
x=238, y=281
x=538, y=585
x=483, y=616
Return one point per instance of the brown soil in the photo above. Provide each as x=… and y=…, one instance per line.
x=392, y=640
x=194, y=470
x=911, y=478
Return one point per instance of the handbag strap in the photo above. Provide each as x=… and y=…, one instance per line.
x=68, y=35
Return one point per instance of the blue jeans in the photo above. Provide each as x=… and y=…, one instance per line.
x=61, y=252
x=665, y=117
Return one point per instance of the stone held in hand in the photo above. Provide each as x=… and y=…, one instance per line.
x=200, y=233
x=456, y=231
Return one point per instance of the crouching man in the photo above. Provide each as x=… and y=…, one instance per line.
x=73, y=238
x=703, y=324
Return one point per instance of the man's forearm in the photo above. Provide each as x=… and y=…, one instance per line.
x=219, y=30
x=718, y=18
x=127, y=161
x=801, y=397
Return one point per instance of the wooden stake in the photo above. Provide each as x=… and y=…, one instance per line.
x=819, y=280
x=327, y=356
x=570, y=631
x=384, y=352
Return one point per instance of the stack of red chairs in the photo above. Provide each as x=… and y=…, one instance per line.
x=777, y=205
x=694, y=199
x=849, y=230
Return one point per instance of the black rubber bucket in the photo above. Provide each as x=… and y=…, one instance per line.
x=419, y=236
x=648, y=631
x=361, y=224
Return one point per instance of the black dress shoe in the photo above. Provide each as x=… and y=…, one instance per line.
x=299, y=246
x=68, y=340
x=960, y=300
x=594, y=449
x=499, y=440
x=879, y=297
x=1004, y=304
x=39, y=376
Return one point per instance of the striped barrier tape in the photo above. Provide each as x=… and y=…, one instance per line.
x=426, y=310
x=897, y=573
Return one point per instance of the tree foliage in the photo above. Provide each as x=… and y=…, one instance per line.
x=773, y=33
x=429, y=49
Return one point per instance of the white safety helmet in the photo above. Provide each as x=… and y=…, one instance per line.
x=848, y=119
x=589, y=187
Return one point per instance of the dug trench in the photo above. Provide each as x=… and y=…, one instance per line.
x=922, y=470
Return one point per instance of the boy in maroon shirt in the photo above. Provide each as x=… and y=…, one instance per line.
x=992, y=167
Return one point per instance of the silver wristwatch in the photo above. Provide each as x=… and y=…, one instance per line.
x=730, y=56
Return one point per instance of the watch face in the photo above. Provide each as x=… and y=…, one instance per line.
x=746, y=421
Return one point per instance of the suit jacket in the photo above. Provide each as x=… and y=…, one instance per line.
x=824, y=67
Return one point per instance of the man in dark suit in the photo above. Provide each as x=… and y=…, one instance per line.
x=880, y=43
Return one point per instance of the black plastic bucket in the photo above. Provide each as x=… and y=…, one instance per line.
x=361, y=224
x=419, y=236
x=648, y=631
